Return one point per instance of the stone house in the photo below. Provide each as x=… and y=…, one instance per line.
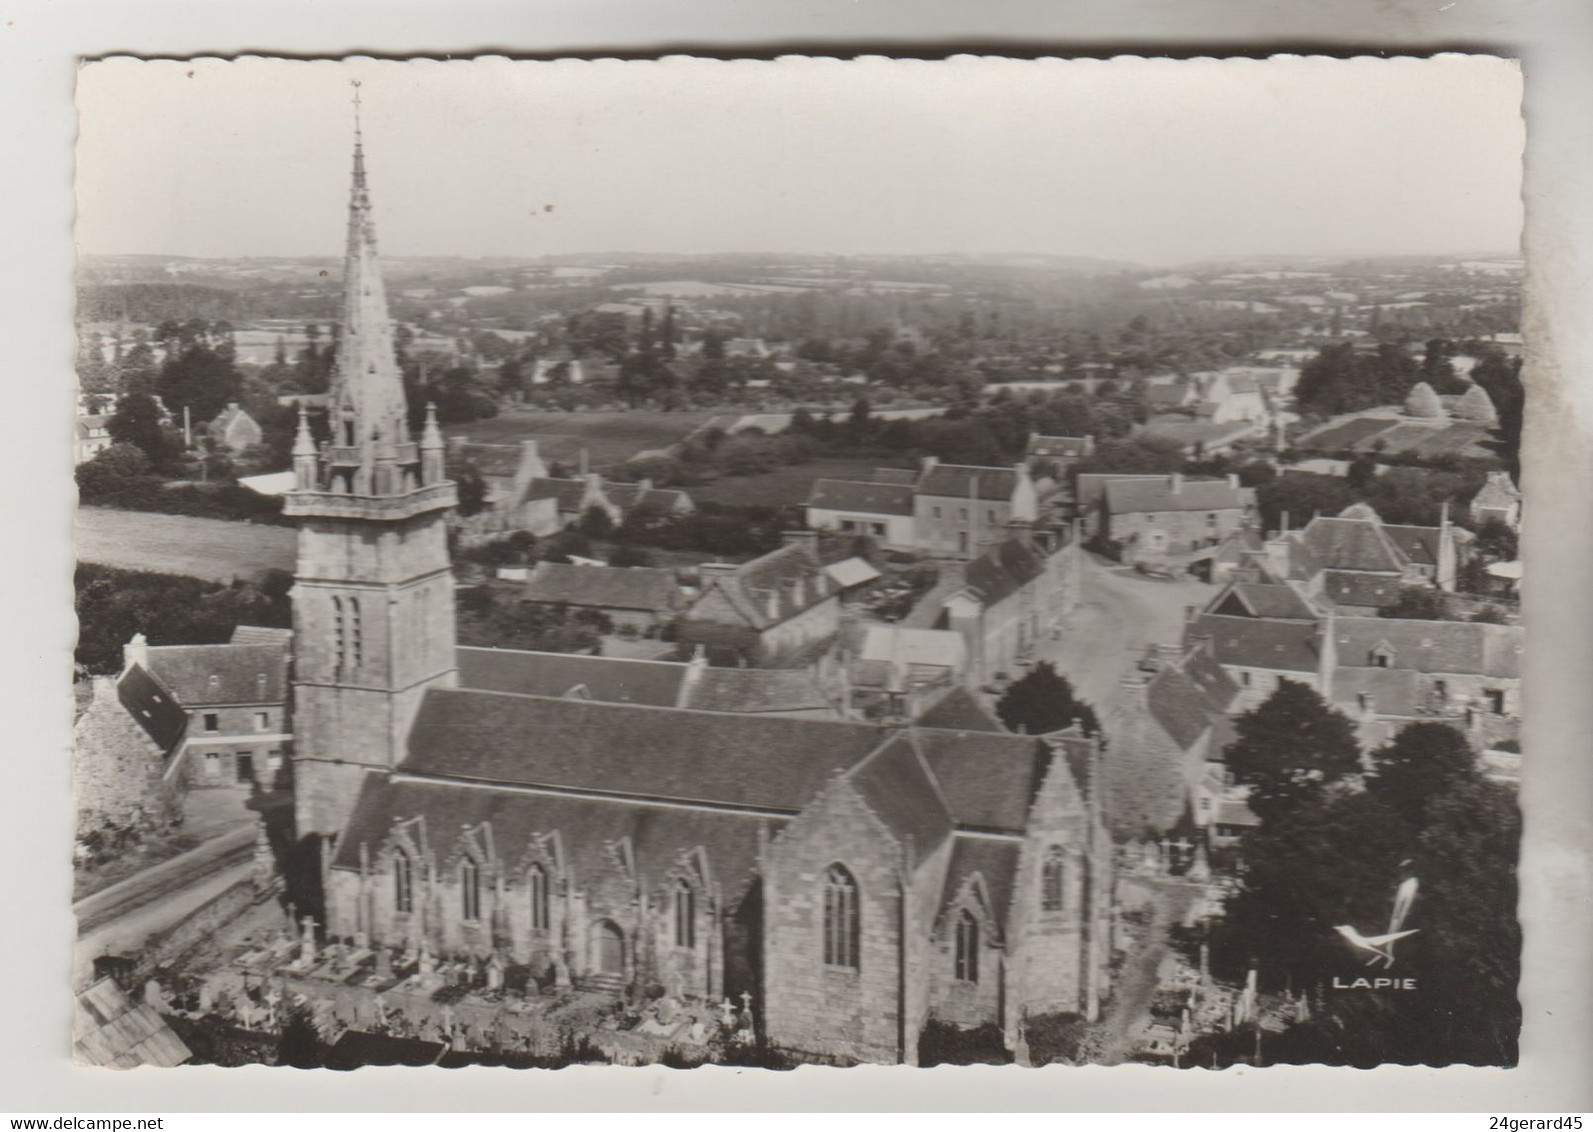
x=235, y=430
x=1360, y=564
x=960, y=510
x=120, y=746
x=1172, y=515
x=777, y=610
x=1057, y=454
x=1014, y=596
x=882, y=511
x=91, y=436
x=239, y=732
x=1498, y=501
x=636, y=599
x=855, y=882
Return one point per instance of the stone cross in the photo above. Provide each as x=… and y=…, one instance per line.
x=494, y=973
x=307, y=941
x=746, y=1006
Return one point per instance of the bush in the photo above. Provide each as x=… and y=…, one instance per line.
x=943, y=1043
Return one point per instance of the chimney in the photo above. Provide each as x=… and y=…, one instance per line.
x=1233, y=480
x=135, y=651
x=644, y=484
x=232, y=406
x=1176, y=482
x=1327, y=654
x=707, y=571
x=1283, y=529
x=928, y=463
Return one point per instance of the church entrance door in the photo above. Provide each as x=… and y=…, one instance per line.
x=608, y=947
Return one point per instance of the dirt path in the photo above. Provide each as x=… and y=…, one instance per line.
x=1138, y=981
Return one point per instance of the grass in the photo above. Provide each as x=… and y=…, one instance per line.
x=784, y=485
x=609, y=438
x=213, y=549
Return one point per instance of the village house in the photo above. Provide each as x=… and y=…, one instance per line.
x=1154, y=519
x=638, y=599
x=1056, y=454
x=882, y=511
x=235, y=430
x=960, y=510
x=1013, y=596
x=1499, y=501
x=779, y=610
x=896, y=671
x=92, y=435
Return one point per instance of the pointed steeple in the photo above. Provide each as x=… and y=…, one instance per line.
x=367, y=395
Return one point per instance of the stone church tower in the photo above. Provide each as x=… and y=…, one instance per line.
x=373, y=600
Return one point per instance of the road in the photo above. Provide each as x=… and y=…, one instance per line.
x=119, y=918
x=1122, y=613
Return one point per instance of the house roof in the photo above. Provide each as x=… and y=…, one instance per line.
x=111, y=1031
x=1396, y=692
x=851, y=572
x=907, y=476
x=609, y=679
x=1240, y=544
x=1058, y=445
x=603, y=587
x=568, y=494
x=755, y=690
x=1090, y=487
x=1419, y=544
x=500, y=460
x=964, y=481
x=1168, y=393
x=1003, y=570
x=995, y=861
x=1235, y=811
x=763, y=762
x=1499, y=493
x=1187, y=433
x=988, y=780
x=896, y=784
x=1349, y=587
x=1178, y=706
x=203, y=675
x=1258, y=642
x=261, y=635
x=225, y=419
x=868, y=498
x=960, y=710
x=1352, y=544
x=1263, y=599
x=1137, y=496
x=1213, y=681
x=791, y=575
x=1458, y=647
x=152, y=707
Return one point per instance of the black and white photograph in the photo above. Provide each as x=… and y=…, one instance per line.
x=798, y=562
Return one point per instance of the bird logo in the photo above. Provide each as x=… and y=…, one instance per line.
x=1382, y=946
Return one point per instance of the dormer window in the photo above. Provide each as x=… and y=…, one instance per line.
x=215, y=681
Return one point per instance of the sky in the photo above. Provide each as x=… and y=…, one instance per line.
x=1158, y=162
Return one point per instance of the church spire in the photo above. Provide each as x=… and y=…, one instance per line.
x=367, y=395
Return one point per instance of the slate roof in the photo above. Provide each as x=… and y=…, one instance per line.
x=111, y=1031
x=988, y=780
x=1234, y=811
x=1003, y=570
x=1066, y=446
x=1256, y=642
x=499, y=460
x=186, y=671
x=1263, y=599
x=1457, y=647
x=261, y=635
x=777, y=573
x=850, y=572
x=1168, y=393
x=765, y=762
x=608, y=679
x=1396, y=692
x=896, y=784
x=1499, y=493
x=962, y=481
x=907, y=476
x=869, y=498
x=1347, y=587
x=961, y=709
x=1419, y=544
x=938, y=648
x=755, y=690
x=995, y=861
x=1090, y=487
x=1352, y=544
x=1239, y=545
x=1187, y=433
x=1178, y=706
x=653, y=590
x=588, y=828
x=152, y=707
x=1216, y=686
x=1136, y=496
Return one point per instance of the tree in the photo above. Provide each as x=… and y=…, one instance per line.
x=1423, y=402
x=595, y=523
x=626, y=554
x=1301, y=495
x=111, y=468
x=472, y=490
x=201, y=379
x=1042, y=702
x=1476, y=406
x=1424, y=761
x=137, y=421
x=1496, y=541
x=1290, y=749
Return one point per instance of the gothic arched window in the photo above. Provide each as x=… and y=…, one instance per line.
x=685, y=915
x=537, y=889
x=469, y=889
x=1051, y=881
x=840, y=918
x=403, y=882
x=967, y=947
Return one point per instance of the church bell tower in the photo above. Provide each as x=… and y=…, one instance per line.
x=373, y=599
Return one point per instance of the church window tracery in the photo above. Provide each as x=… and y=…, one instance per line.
x=1051, y=881
x=685, y=915
x=840, y=918
x=967, y=957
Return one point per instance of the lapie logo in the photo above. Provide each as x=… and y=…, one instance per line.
x=1381, y=947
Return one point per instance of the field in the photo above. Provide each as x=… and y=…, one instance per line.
x=609, y=438
x=212, y=549
x=784, y=485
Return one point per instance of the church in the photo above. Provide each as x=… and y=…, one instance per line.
x=855, y=880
